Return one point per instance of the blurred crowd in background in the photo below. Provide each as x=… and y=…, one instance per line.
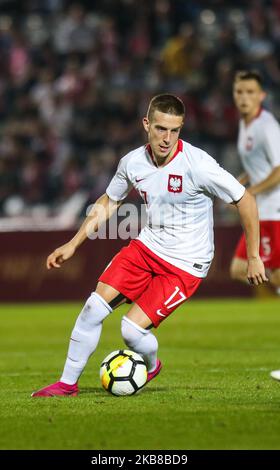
x=76, y=79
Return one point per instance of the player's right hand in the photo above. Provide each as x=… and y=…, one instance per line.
x=61, y=254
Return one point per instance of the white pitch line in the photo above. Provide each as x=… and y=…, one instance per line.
x=247, y=369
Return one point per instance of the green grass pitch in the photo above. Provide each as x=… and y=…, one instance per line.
x=214, y=391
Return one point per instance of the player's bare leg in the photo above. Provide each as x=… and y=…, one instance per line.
x=137, y=315
x=138, y=337
x=238, y=270
x=113, y=297
x=275, y=278
x=84, y=340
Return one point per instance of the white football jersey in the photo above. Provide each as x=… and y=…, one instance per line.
x=179, y=202
x=259, y=149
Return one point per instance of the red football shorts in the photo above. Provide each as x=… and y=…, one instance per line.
x=156, y=286
x=269, y=244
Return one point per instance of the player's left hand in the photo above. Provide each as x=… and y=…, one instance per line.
x=256, y=271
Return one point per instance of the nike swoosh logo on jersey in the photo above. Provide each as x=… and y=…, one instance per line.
x=138, y=180
x=159, y=313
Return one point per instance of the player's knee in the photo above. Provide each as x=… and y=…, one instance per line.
x=95, y=310
x=236, y=272
x=233, y=271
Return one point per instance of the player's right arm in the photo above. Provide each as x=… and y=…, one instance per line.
x=101, y=211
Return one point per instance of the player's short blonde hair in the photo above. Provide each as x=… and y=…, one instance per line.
x=166, y=103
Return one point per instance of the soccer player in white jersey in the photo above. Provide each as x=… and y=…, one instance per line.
x=164, y=266
x=259, y=149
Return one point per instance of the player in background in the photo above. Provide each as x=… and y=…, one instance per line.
x=164, y=266
x=259, y=150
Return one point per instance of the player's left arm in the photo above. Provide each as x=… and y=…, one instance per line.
x=248, y=213
x=268, y=183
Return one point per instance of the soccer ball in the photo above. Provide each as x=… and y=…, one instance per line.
x=123, y=372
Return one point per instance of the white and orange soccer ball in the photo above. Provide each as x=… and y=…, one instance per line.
x=123, y=372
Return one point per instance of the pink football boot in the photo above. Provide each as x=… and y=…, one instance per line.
x=57, y=389
x=154, y=373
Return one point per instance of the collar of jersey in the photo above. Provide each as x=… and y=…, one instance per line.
x=178, y=150
x=255, y=117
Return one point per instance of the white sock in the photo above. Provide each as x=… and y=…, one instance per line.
x=141, y=341
x=85, y=337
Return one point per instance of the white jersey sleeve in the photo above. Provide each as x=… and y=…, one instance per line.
x=271, y=134
x=120, y=184
x=216, y=181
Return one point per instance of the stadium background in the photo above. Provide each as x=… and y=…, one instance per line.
x=75, y=81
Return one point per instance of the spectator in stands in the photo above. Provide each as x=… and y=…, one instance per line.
x=91, y=73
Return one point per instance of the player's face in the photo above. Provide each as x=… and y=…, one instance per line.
x=163, y=132
x=248, y=97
